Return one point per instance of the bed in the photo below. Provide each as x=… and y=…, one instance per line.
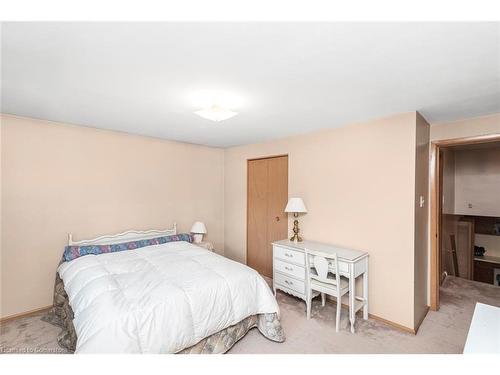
x=157, y=292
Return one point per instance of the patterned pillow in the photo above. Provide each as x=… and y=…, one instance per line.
x=73, y=252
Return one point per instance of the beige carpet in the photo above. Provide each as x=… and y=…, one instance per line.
x=444, y=331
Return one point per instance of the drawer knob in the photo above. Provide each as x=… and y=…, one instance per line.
x=288, y=255
x=288, y=268
x=289, y=282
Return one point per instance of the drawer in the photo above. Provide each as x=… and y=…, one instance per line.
x=290, y=269
x=343, y=267
x=289, y=282
x=289, y=255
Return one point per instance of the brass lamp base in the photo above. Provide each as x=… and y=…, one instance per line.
x=296, y=237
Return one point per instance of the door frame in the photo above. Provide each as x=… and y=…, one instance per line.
x=248, y=181
x=435, y=207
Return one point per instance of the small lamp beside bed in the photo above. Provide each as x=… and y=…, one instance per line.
x=198, y=229
x=295, y=206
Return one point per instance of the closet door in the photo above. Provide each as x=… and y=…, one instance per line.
x=266, y=201
x=277, y=198
x=257, y=214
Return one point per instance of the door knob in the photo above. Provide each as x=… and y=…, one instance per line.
x=277, y=218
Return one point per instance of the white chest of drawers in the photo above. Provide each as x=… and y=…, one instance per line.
x=289, y=273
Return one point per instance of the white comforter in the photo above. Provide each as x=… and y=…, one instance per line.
x=159, y=299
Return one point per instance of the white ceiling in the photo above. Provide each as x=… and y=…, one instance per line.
x=291, y=77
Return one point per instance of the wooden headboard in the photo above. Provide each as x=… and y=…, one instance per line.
x=131, y=235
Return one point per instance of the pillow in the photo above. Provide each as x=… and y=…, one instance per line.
x=73, y=252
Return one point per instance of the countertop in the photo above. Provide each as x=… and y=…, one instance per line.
x=488, y=258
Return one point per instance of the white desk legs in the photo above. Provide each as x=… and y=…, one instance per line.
x=352, y=296
x=365, y=293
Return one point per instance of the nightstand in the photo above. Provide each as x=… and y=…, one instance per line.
x=207, y=245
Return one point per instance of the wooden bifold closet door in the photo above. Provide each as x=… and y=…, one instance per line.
x=267, y=195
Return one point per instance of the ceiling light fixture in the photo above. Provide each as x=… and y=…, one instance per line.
x=216, y=113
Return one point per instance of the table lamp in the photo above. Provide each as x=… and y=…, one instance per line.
x=198, y=229
x=296, y=205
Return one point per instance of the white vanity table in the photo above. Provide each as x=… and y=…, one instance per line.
x=289, y=271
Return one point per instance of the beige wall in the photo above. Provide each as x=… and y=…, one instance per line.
x=58, y=179
x=358, y=183
x=466, y=128
x=421, y=239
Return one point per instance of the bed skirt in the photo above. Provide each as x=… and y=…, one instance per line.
x=269, y=325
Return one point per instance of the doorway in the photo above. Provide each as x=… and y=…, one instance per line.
x=453, y=230
x=267, y=195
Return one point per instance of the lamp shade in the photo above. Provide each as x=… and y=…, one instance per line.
x=198, y=227
x=295, y=205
